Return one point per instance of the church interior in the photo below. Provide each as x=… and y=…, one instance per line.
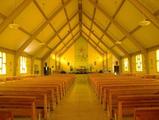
x=79, y=59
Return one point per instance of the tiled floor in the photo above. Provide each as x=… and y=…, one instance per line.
x=79, y=104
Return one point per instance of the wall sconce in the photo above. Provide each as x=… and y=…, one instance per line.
x=68, y=63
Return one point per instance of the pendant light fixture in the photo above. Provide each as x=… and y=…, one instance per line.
x=14, y=25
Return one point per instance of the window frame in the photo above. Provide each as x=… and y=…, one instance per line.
x=139, y=63
x=126, y=64
x=23, y=65
x=157, y=60
x=3, y=69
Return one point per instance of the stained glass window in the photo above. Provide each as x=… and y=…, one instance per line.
x=139, y=62
x=2, y=63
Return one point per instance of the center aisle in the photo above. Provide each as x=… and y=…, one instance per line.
x=80, y=103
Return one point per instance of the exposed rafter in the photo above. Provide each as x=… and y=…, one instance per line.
x=113, y=52
x=7, y=50
x=62, y=49
x=156, y=13
x=40, y=29
x=66, y=14
x=110, y=22
x=2, y=16
x=94, y=13
x=69, y=32
x=97, y=46
x=114, y=41
x=131, y=32
x=145, y=12
x=46, y=18
x=93, y=46
x=47, y=54
x=61, y=41
x=80, y=13
x=31, y=38
x=14, y=14
x=74, y=15
x=73, y=42
x=122, y=29
x=26, y=32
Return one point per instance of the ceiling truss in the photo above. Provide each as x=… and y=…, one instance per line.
x=153, y=17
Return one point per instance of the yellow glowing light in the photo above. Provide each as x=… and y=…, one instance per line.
x=53, y=56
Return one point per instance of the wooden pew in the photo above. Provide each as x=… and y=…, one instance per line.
x=108, y=99
x=6, y=115
x=146, y=113
x=105, y=86
x=111, y=100
x=123, y=83
x=38, y=88
x=42, y=97
x=22, y=103
x=133, y=101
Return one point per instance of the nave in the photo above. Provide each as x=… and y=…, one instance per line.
x=80, y=103
x=79, y=59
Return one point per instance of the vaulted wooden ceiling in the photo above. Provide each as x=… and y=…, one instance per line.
x=40, y=27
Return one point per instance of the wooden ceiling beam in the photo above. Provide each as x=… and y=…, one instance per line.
x=40, y=29
x=26, y=32
x=113, y=52
x=58, y=10
x=67, y=43
x=80, y=13
x=58, y=31
x=110, y=21
x=122, y=29
x=67, y=16
x=18, y=10
x=94, y=42
x=61, y=41
x=131, y=32
x=3, y=16
x=67, y=48
x=31, y=38
x=47, y=54
x=94, y=47
x=145, y=12
x=7, y=50
x=114, y=41
x=156, y=13
x=46, y=18
x=93, y=17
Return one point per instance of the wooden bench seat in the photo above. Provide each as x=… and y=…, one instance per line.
x=43, y=101
x=103, y=89
x=6, y=115
x=23, y=103
x=108, y=90
x=134, y=101
x=146, y=113
x=112, y=95
x=46, y=90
